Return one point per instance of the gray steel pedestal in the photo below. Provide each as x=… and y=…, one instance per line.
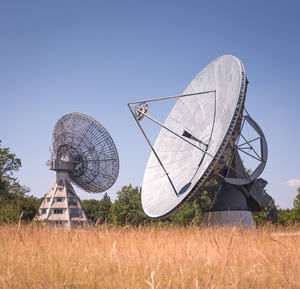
x=229, y=208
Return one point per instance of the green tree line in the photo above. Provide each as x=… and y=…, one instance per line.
x=127, y=210
x=16, y=204
x=14, y=199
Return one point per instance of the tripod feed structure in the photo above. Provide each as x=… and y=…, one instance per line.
x=201, y=142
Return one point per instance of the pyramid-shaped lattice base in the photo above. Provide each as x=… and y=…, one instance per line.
x=61, y=206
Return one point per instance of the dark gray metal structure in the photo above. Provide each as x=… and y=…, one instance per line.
x=202, y=141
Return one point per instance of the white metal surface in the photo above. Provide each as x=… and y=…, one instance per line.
x=210, y=118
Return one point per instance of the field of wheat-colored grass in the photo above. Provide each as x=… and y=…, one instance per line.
x=102, y=257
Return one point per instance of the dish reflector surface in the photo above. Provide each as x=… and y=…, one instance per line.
x=208, y=121
x=83, y=141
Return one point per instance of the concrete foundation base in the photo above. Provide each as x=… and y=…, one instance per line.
x=228, y=218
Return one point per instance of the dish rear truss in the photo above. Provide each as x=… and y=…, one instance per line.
x=84, y=148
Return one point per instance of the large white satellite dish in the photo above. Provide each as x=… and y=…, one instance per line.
x=198, y=138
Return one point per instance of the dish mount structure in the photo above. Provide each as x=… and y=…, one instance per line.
x=83, y=154
x=201, y=147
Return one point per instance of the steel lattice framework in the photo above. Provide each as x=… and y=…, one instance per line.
x=82, y=141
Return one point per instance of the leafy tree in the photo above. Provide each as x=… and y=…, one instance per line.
x=260, y=218
x=127, y=208
x=185, y=215
x=297, y=201
x=29, y=205
x=13, y=198
x=202, y=204
x=98, y=211
x=296, y=209
x=192, y=212
x=105, y=209
x=291, y=216
x=8, y=164
x=286, y=217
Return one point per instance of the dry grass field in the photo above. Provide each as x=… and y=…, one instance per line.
x=36, y=257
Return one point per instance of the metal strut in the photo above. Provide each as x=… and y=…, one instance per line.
x=143, y=113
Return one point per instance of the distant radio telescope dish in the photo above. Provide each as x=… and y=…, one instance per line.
x=83, y=141
x=84, y=154
x=198, y=142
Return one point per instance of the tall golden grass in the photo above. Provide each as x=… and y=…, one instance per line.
x=101, y=257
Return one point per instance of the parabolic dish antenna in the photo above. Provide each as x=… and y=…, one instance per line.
x=84, y=142
x=84, y=154
x=200, y=140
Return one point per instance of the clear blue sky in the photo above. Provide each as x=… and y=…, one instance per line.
x=94, y=57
